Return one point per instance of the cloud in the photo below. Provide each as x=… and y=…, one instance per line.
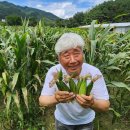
x=92, y=2
x=96, y=2
x=61, y=9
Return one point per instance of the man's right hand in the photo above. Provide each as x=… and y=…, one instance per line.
x=64, y=96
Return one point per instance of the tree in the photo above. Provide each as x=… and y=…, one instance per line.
x=33, y=21
x=79, y=18
x=13, y=20
x=110, y=11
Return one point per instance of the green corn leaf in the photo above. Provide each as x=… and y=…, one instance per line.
x=115, y=112
x=25, y=95
x=16, y=99
x=48, y=62
x=9, y=97
x=3, y=89
x=35, y=87
x=120, y=85
x=15, y=79
x=92, y=30
x=38, y=61
x=4, y=76
x=38, y=78
x=20, y=115
x=113, y=68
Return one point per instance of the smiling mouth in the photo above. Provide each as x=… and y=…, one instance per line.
x=74, y=67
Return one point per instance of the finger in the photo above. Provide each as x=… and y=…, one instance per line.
x=88, y=98
x=70, y=97
x=83, y=101
x=67, y=96
x=63, y=93
x=80, y=99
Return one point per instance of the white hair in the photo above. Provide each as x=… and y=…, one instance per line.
x=68, y=41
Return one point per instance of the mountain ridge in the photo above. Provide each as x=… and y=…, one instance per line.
x=7, y=8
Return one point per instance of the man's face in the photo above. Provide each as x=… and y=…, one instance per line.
x=72, y=60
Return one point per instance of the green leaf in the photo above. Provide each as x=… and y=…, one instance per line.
x=115, y=112
x=4, y=77
x=48, y=62
x=128, y=78
x=35, y=87
x=113, y=68
x=92, y=30
x=9, y=97
x=8, y=48
x=16, y=99
x=38, y=61
x=120, y=85
x=125, y=37
x=25, y=95
x=15, y=79
x=38, y=78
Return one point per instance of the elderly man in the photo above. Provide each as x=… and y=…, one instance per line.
x=80, y=113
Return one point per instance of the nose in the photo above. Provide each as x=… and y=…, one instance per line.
x=72, y=59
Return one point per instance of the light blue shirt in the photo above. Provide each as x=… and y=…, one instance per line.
x=72, y=113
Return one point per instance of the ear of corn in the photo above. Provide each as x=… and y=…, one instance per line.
x=72, y=85
x=59, y=86
x=82, y=89
x=78, y=85
x=64, y=86
x=89, y=88
x=60, y=75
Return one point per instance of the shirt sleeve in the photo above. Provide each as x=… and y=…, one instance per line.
x=99, y=90
x=47, y=90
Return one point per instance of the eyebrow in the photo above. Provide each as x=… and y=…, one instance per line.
x=75, y=49
x=64, y=52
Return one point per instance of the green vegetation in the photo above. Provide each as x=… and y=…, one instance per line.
x=26, y=54
x=107, y=12
x=9, y=10
x=110, y=12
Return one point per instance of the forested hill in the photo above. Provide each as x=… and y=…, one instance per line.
x=7, y=9
x=108, y=12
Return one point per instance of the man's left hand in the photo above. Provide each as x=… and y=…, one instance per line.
x=85, y=101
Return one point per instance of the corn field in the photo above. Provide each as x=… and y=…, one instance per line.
x=26, y=54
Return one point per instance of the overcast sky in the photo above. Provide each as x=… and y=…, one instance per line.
x=61, y=8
